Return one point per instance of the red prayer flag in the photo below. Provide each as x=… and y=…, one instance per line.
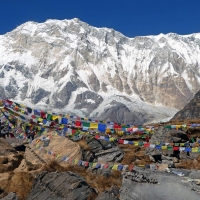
x=146, y=145
x=78, y=123
x=97, y=136
x=105, y=166
x=175, y=148
x=130, y=167
x=121, y=141
x=86, y=164
x=43, y=115
x=117, y=126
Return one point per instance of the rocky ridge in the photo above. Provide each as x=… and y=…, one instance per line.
x=190, y=111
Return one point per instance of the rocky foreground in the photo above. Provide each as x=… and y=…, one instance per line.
x=157, y=174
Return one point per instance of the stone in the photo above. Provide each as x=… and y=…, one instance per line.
x=10, y=196
x=107, y=195
x=195, y=174
x=113, y=154
x=169, y=162
x=60, y=186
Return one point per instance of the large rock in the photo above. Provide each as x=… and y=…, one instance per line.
x=107, y=195
x=60, y=186
x=10, y=196
x=104, y=151
x=57, y=145
x=195, y=174
x=136, y=186
x=113, y=154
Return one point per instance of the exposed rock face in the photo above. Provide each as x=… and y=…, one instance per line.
x=9, y=158
x=35, y=158
x=143, y=75
x=10, y=196
x=136, y=186
x=191, y=110
x=60, y=186
x=104, y=151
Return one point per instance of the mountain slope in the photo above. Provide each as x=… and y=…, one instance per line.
x=70, y=66
x=191, y=110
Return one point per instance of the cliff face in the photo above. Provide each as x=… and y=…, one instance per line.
x=70, y=66
x=191, y=110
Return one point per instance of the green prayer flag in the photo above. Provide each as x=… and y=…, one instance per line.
x=90, y=164
x=140, y=143
x=86, y=124
x=169, y=148
x=49, y=117
x=192, y=139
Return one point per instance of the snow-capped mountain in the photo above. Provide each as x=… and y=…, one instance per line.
x=72, y=67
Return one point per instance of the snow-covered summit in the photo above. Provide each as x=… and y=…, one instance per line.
x=70, y=66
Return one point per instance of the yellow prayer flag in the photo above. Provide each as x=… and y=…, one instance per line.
x=195, y=150
x=94, y=164
x=76, y=161
x=111, y=139
x=54, y=117
x=115, y=167
x=164, y=147
x=136, y=143
x=157, y=143
x=40, y=119
x=94, y=125
x=182, y=144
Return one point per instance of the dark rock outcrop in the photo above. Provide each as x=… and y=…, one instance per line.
x=105, y=151
x=60, y=186
x=191, y=110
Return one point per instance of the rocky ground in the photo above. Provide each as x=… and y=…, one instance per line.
x=33, y=174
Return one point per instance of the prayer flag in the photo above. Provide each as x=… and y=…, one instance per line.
x=94, y=125
x=101, y=127
x=64, y=121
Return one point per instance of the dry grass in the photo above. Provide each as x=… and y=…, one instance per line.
x=134, y=155
x=83, y=144
x=19, y=182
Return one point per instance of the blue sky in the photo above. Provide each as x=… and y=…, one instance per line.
x=130, y=17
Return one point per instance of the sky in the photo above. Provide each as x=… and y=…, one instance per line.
x=130, y=17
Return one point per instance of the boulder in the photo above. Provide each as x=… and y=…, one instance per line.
x=10, y=196
x=60, y=186
x=176, y=136
x=98, y=145
x=54, y=147
x=108, y=195
x=195, y=174
x=113, y=154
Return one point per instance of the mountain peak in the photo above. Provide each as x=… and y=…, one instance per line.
x=71, y=66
